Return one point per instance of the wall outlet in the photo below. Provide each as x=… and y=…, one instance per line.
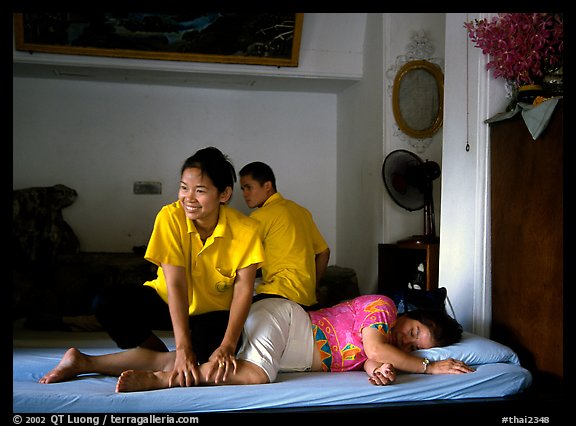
x=147, y=187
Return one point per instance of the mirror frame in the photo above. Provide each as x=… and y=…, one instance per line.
x=438, y=76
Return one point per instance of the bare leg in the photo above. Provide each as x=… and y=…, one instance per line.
x=74, y=363
x=140, y=380
x=154, y=343
x=247, y=373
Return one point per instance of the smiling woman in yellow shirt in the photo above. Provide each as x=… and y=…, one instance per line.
x=207, y=255
x=296, y=253
x=210, y=266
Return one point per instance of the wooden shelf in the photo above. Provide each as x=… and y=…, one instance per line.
x=398, y=263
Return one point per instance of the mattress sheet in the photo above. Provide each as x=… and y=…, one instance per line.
x=34, y=355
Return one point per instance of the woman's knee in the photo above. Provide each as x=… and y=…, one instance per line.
x=256, y=375
x=249, y=373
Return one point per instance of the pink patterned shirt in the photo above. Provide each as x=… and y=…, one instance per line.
x=338, y=329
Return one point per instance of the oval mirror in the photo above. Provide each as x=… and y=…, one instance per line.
x=417, y=98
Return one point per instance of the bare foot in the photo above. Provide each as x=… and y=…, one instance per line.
x=70, y=366
x=134, y=381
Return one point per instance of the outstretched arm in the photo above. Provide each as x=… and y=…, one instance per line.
x=185, y=370
x=224, y=355
x=380, y=352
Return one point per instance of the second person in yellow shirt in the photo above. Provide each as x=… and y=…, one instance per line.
x=296, y=254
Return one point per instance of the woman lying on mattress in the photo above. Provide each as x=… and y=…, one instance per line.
x=279, y=336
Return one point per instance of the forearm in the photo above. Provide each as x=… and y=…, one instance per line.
x=182, y=338
x=378, y=349
x=322, y=260
x=380, y=373
x=371, y=365
x=410, y=363
x=241, y=302
x=238, y=314
x=178, y=306
x=180, y=325
x=402, y=361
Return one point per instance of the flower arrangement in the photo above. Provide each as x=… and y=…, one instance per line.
x=522, y=46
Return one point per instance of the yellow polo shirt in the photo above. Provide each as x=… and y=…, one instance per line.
x=291, y=241
x=210, y=267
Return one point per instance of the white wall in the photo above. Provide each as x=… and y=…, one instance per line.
x=99, y=138
x=399, y=29
x=464, y=242
x=360, y=187
x=367, y=215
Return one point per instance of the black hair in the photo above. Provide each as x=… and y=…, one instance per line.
x=444, y=329
x=260, y=172
x=215, y=164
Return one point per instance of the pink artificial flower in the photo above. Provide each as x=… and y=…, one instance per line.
x=521, y=46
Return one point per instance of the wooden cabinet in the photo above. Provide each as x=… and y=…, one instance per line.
x=398, y=264
x=527, y=243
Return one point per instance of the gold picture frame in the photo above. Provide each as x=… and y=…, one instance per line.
x=248, y=38
x=418, y=99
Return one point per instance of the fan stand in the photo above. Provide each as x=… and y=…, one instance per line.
x=429, y=223
x=429, y=236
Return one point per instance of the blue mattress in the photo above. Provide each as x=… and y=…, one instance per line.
x=498, y=373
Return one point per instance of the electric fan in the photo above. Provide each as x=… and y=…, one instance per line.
x=408, y=180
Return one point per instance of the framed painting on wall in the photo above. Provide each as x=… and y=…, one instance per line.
x=237, y=38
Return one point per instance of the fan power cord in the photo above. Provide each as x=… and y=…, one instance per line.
x=451, y=307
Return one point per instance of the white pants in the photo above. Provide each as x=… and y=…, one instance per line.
x=277, y=336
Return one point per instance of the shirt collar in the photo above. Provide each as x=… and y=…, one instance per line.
x=273, y=199
x=221, y=226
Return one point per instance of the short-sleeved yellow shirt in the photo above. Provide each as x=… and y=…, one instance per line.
x=210, y=267
x=291, y=241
